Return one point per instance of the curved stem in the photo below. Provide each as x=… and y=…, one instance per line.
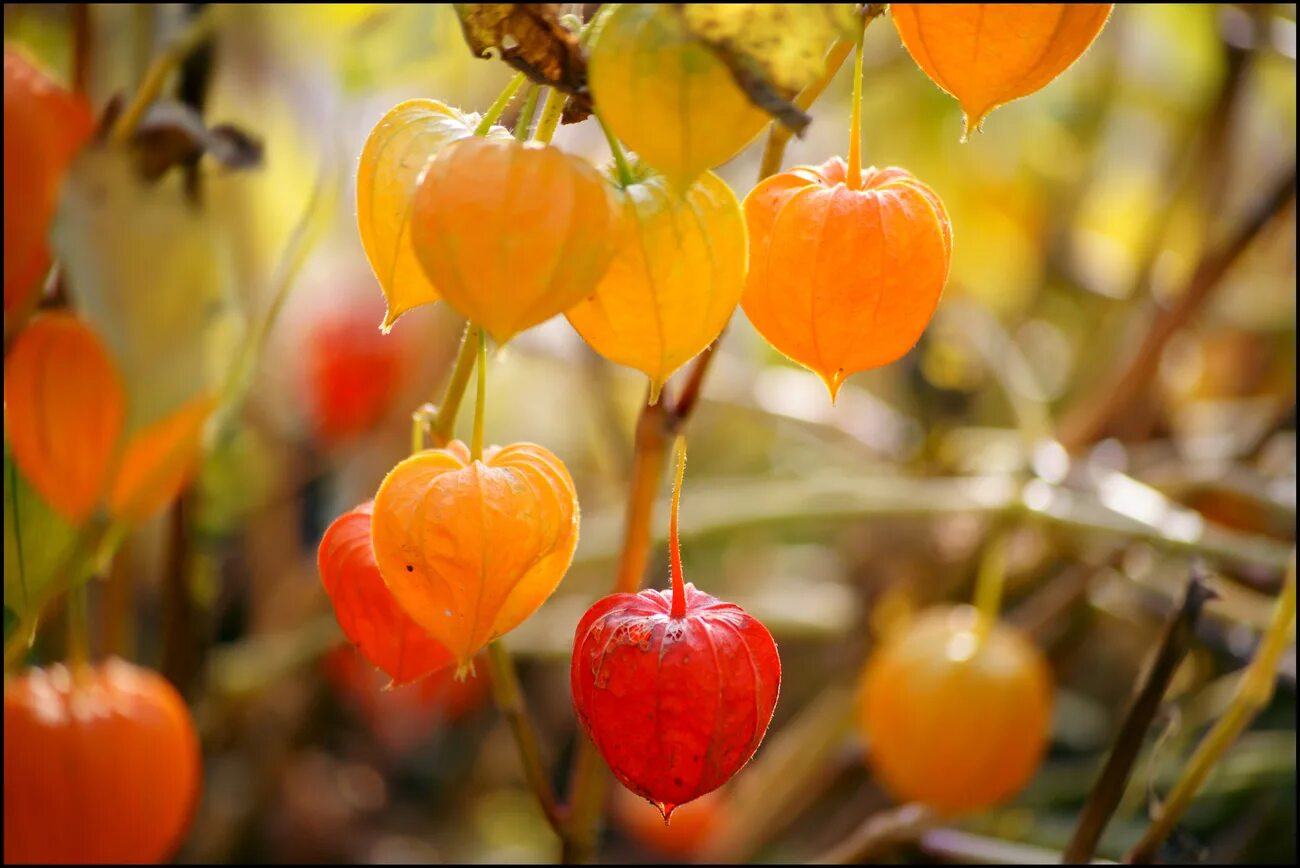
x=551, y=111
x=500, y=104
x=78, y=649
x=509, y=699
x=855, y=119
x=155, y=78
x=1254, y=692
x=988, y=585
x=648, y=454
x=779, y=136
x=480, y=399
x=674, y=543
x=620, y=158
x=525, y=119
x=444, y=421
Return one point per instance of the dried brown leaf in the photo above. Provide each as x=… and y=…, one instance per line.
x=530, y=37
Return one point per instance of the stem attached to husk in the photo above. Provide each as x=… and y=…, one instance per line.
x=444, y=421
x=674, y=543
x=499, y=105
x=480, y=399
x=552, y=109
x=855, y=119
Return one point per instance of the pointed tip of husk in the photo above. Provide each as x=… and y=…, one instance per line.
x=656, y=387
x=666, y=809
x=833, y=382
x=464, y=669
x=390, y=317
x=973, y=122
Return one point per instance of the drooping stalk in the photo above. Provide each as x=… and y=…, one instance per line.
x=551, y=111
x=1254, y=692
x=525, y=119
x=855, y=128
x=988, y=585
x=620, y=158
x=444, y=421
x=480, y=399
x=674, y=543
x=499, y=105
x=78, y=647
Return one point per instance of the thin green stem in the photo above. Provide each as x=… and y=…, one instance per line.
x=1253, y=693
x=509, y=699
x=779, y=135
x=500, y=104
x=444, y=421
x=855, y=119
x=989, y=583
x=625, y=177
x=78, y=648
x=480, y=399
x=551, y=112
x=525, y=119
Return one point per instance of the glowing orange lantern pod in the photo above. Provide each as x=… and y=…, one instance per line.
x=512, y=233
x=675, y=280
x=45, y=126
x=64, y=411
x=398, y=149
x=102, y=765
x=954, y=720
x=666, y=94
x=365, y=608
x=844, y=275
x=472, y=548
x=987, y=54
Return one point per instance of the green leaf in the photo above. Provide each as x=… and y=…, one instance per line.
x=38, y=544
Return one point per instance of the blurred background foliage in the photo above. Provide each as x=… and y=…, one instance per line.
x=1078, y=213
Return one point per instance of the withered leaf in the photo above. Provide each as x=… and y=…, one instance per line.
x=173, y=134
x=773, y=50
x=530, y=37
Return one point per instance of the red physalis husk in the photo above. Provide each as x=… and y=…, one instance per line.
x=370, y=617
x=675, y=689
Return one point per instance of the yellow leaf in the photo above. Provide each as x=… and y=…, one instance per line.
x=153, y=274
x=394, y=157
x=675, y=280
x=787, y=41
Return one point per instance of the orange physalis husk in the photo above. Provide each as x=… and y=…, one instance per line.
x=844, y=278
x=396, y=153
x=512, y=233
x=158, y=460
x=675, y=280
x=365, y=608
x=64, y=411
x=952, y=719
x=666, y=94
x=472, y=548
x=102, y=766
x=987, y=54
x=45, y=126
